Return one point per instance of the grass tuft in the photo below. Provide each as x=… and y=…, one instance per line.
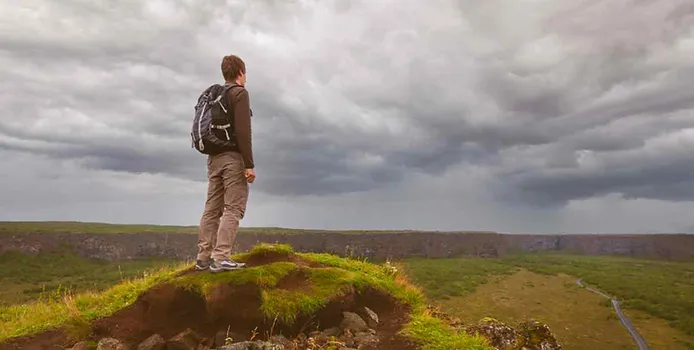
x=265, y=276
x=434, y=334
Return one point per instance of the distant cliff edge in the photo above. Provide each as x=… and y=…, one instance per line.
x=375, y=246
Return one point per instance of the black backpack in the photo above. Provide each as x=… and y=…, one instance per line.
x=213, y=128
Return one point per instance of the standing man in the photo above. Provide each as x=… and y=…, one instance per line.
x=229, y=173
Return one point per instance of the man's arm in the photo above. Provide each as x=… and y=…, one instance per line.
x=242, y=126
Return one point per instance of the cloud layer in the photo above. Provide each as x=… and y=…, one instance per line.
x=523, y=113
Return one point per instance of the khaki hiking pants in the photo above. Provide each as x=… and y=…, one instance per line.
x=227, y=195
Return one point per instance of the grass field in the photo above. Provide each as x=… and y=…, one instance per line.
x=32, y=277
x=660, y=288
x=655, y=295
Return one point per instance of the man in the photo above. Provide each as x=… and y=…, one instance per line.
x=229, y=172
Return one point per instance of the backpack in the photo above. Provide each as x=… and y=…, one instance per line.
x=212, y=130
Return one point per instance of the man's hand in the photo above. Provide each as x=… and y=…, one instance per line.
x=250, y=175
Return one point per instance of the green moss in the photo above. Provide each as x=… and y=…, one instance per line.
x=263, y=249
x=324, y=285
x=265, y=276
x=266, y=250
x=287, y=305
x=433, y=334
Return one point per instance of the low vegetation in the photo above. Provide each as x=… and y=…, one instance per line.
x=660, y=288
x=658, y=296
x=336, y=276
x=27, y=277
x=442, y=279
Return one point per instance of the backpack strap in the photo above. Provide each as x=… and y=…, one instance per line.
x=227, y=88
x=226, y=106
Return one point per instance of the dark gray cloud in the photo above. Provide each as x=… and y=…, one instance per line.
x=555, y=104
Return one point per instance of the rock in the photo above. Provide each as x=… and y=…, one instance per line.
x=252, y=345
x=370, y=317
x=530, y=335
x=221, y=336
x=282, y=340
x=111, y=344
x=186, y=340
x=314, y=334
x=207, y=342
x=322, y=340
x=347, y=338
x=332, y=332
x=353, y=322
x=537, y=336
x=366, y=340
x=499, y=335
x=80, y=346
x=154, y=342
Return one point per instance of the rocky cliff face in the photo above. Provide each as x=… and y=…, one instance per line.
x=654, y=246
x=376, y=246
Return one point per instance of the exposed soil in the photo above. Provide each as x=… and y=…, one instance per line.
x=56, y=339
x=169, y=310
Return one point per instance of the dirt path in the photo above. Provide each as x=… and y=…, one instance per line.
x=623, y=318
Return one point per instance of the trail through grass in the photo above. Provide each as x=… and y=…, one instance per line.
x=658, y=296
x=660, y=288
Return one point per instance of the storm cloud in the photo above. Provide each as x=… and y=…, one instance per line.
x=533, y=111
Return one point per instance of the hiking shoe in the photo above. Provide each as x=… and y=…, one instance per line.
x=225, y=265
x=201, y=265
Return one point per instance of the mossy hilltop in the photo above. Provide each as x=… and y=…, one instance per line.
x=279, y=292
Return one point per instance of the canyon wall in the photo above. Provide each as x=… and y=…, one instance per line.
x=375, y=246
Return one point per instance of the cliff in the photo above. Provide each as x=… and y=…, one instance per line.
x=375, y=246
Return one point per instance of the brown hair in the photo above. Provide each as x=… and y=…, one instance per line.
x=232, y=67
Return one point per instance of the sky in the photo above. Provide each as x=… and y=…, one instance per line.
x=545, y=116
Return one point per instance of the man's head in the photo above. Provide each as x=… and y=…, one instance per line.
x=234, y=70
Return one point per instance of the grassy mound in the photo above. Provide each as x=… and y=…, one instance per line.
x=280, y=292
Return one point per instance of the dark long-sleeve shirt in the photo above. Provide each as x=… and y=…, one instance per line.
x=238, y=96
